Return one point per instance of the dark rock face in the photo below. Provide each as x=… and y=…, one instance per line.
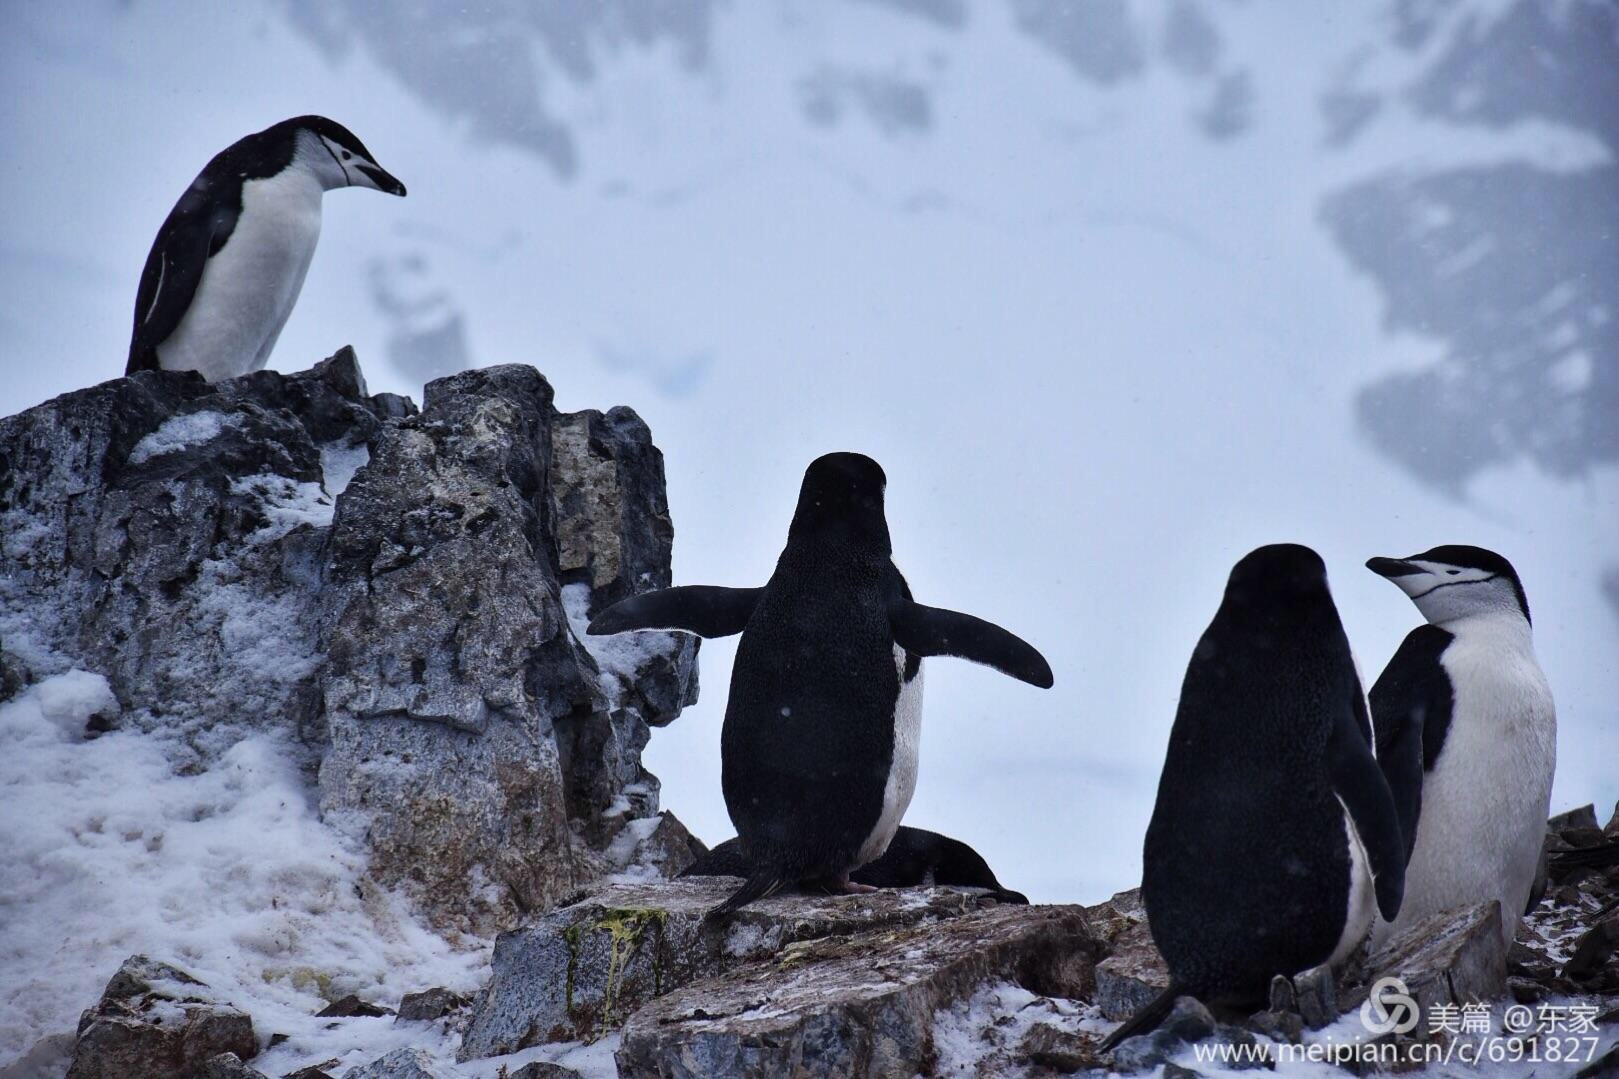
x=159, y=1022
x=475, y=743
x=399, y=591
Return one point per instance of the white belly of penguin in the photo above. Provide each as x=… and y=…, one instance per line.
x=1484, y=806
x=902, y=770
x=249, y=288
x=1362, y=906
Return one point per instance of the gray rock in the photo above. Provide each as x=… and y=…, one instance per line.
x=166, y=533
x=1188, y=1023
x=229, y=1066
x=1453, y=957
x=350, y=1007
x=428, y=1004
x=399, y=1064
x=158, y=1022
x=1593, y=952
x=1133, y=973
x=1058, y=1050
x=481, y=751
x=1317, y=995
x=580, y=971
x=544, y=1069
x=1583, y=818
x=855, y=1005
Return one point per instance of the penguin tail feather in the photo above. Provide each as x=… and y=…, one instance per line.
x=1146, y=1018
x=761, y=884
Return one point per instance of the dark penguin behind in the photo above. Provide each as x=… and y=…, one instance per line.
x=915, y=858
x=808, y=744
x=816, y=767
x=1247, y=863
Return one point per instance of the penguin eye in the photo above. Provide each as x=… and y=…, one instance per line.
x=347, y=156
x=1453, y=572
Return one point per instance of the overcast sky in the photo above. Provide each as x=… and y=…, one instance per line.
x=1113, y=300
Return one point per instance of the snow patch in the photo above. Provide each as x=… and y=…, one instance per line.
x=178, y=432
x=287, y=504
x=227, y=873
x=980, y=1035
x=619, y=656
x=339, y=462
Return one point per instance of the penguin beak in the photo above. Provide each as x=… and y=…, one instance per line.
x=1392, y=567
x=382, y=180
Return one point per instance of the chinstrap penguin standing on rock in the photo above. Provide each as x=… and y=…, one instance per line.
x=1274, y=835
x=229, y=261
x=1467, y=736
x=823, y=723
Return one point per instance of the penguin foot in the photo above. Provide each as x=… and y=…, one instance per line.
x=840, y=884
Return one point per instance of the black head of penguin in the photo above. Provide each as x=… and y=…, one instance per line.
x=841, y=501
x=1246, y=863
x=917, y=856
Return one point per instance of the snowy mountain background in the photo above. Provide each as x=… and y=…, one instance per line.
x=1114, y=291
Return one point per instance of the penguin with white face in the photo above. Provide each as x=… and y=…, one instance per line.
x=1467, y=736
x=823, y=723
x=227, y=266
x=1274, y=838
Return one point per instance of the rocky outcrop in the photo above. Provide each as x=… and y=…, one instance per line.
x=860, y=1004
x=159, y=1022
x=487, y=756
x=1133, y=972
x=1452, y=957
x=168, y=534
x=401, y=591
x=579, y=972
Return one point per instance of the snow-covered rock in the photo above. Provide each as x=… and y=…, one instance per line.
x=211, y=595
x=157, y=1021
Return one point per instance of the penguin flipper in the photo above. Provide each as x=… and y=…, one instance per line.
x=934, y=631
x=706, y=610
x=1146, y=1018
x=760, y=884
x=194, y=230
x=1411, y=707
x=1365, y=794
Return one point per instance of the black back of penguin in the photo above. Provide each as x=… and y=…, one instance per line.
x=821, y=726
x=915, y=858
x=1247, y=862
x=807, y=745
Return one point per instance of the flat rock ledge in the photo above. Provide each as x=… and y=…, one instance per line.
x=861, y=1004
x=579, y=972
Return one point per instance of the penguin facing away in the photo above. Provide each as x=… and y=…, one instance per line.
x=822, y=725
x=1274, y=835
x=229, y=261
x=1466, y=735
x=915, y=858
